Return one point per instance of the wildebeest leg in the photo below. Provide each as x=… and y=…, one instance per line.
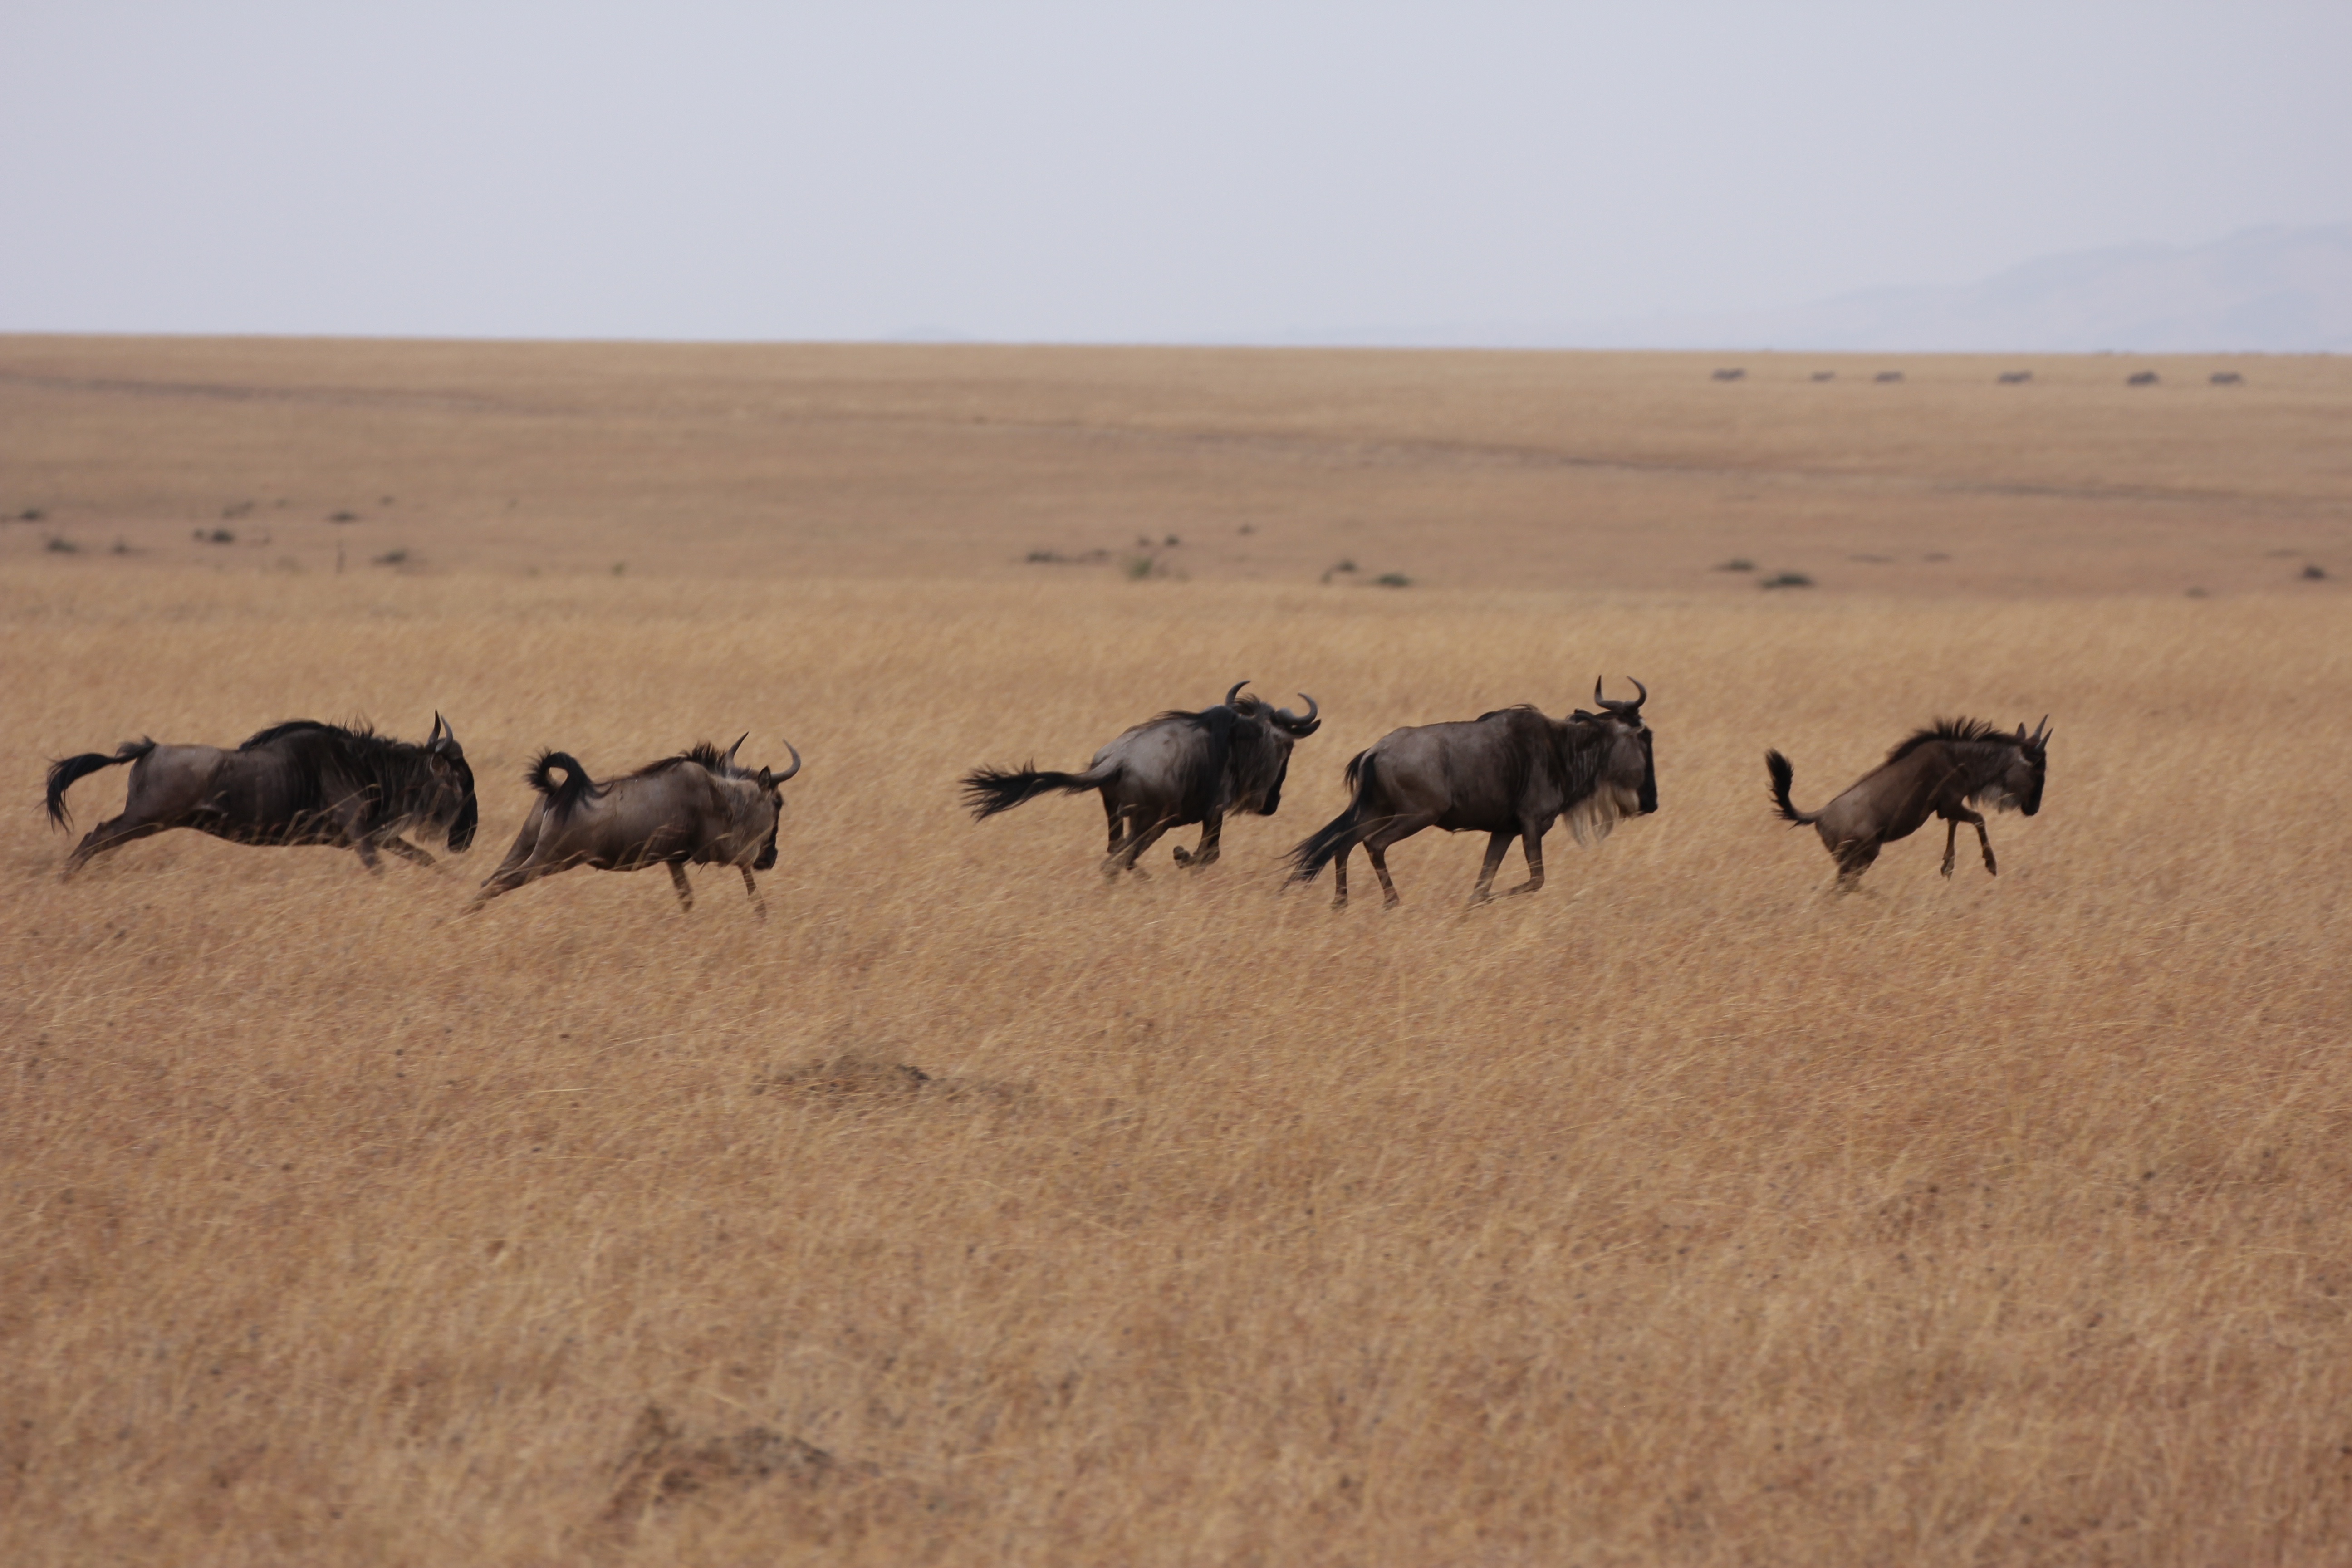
x=1497, y=846
x=685, y=889
x=1853, y=858
x=410, y=852
x=1205, y=854
x=1533, y=839
x=1125, y=858
x=1984, y=844
x=758, y=904
x=1339, y=875
x=106, y=836
x=1376, y=849
x=1952, y=836
x=1116, y=813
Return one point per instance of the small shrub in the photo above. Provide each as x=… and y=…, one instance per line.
x=620, y=567
x=342, y=516
x=1787, y=580
x=2314, y=572
x=392, y=558
x=1393, y=580
x=1737, y=564
x=2015, y=377
x=2226, y=378
x=215, y=536
x=61, y=544
x=1343, y=566
x=122, y=547
x=1171, y=540
x=31, y=514
x=1824, y=376
x=1731, y=374
x=2140, y=378
x=1138, y=567
x=1888, y=376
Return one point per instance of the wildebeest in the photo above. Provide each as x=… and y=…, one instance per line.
x=1509, y=775
x=698, y=807
x=298, y=782
x=1936, y=772
x=1171, y=772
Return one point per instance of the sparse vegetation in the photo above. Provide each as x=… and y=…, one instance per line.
x=342, y=516
x=400, y=558
x=2140, y=378
x=60, y=545
x=1786, y=580
x=973, y=1211
x=31, y=514
x=1393, y=580
x=215, y=536
x=1138, y=567
x=2312, y=571
x=1736, y=564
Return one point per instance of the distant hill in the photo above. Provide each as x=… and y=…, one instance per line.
x=2270, y=291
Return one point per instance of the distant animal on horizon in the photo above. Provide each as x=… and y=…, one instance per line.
x=698, y=807
x=1509, y=774
x=298, y=782
x=1938, y=771
x=1170, y=772
x=2014, y=377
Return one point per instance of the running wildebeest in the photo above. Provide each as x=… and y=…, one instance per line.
x=1509, y=775
x=298, y=782
x=698, y=807
x=1936, y=772
x=1171, y=772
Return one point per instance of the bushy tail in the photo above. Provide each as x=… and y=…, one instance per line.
x=987, y=791
x=1322, y=847
x=563, y=797
x=1783, y=775
x=66, y=770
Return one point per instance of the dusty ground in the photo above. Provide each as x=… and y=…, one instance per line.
x=971, y=1210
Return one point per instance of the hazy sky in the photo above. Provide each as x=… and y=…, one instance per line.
x=1115, y=172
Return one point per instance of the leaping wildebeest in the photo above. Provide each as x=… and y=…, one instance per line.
x=1936, y=772
x=297, y=783
x=698, y=807
x=1509, y=775
x=1171, y=772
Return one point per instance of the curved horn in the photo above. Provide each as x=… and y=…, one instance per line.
x=1627, y=710
x=1598, y=700
x=793, y=769
x=435, y=738
x=1300, y=722
x=1236, y=691
x=737, y=747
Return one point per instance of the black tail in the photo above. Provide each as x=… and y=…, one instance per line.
x=1323, y=845
x=66, y=770
x=987, y=791
x=563, y=797
x=1783, y=775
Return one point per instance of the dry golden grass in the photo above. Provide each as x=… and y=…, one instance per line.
x=1680, y=1212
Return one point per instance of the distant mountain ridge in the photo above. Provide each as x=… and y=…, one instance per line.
x=2274, y=290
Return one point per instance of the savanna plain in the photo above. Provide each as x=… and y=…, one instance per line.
x=969, y=1208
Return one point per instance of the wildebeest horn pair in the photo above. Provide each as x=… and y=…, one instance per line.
x=1296, y=724
x=443, y=737
x=1623, y=709
x=2039, y=739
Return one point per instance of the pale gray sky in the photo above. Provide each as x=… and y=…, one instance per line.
x=1115, y=172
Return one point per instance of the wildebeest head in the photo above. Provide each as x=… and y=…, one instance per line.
x=453, y=786
x=1261, y=738
x=2018, y=786
x=1630, y=767
x=772, y=796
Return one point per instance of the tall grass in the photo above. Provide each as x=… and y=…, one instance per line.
x=1681, y=1212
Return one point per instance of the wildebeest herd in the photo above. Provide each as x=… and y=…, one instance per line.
x=1510, y=775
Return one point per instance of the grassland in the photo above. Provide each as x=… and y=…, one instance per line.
x=970, y=1209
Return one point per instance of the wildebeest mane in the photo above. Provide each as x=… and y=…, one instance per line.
x=702, y=752
x=1948, y=730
